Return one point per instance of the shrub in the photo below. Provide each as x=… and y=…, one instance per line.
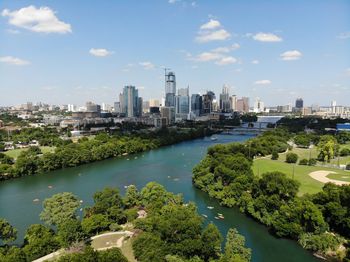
x=347, y=167
x=303, y=162
x=291, y=158
x=274, y=155
x=345, y=152
x=312, y=161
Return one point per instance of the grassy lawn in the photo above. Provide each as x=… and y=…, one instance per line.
x=16, y=152
x=127, y=250
x=105, y=241
x=343, y=177
x=301, y=152
x=307, y=184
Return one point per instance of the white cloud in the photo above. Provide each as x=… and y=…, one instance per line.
x=262, y=82
x=42, y=20
x=208, y=36
x=173, y=1
x=100, y=52
x=226, y=49
x=255, y=62
x=147, y=65
x=207, y=56
x=226, y=60
x=210, y=32
x=13, y=61
x=212, y=24
x=267, y=37
x=344, y=35
x=291, y=55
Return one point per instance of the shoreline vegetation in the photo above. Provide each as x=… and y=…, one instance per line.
x=149, y=225
x=320, y=222
x=103, y=146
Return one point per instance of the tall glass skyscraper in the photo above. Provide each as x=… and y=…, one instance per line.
x=196, y=104
x=183, y=103
x=170, y=89
x=131, y=104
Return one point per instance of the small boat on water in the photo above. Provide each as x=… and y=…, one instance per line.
x=36, y=200
x=213, y=138
x=216, y=217
x=204, y=215
x=50, y=186
x=209, y=207
x=219, y=214
x=221, y=217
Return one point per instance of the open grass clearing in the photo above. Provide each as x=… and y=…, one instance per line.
x=297, y=172
x=16, y=152
x=342, y=177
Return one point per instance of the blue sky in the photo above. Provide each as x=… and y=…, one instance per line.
x=75, y=51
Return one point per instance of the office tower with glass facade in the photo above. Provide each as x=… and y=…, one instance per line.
x=170, y=89
x=130, y=102
x=196, y=104
x=182, y=103
x=225, y=99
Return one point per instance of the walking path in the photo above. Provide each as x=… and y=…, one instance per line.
x=321, y=176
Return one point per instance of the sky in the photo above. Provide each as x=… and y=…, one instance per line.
x=70, y=52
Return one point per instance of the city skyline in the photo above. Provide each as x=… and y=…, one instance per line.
x=53, y=52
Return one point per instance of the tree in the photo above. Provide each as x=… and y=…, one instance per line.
x=291, y=158
x=70, y=232
x=274, y=155
x=39, y=241
x=59, y=208
x=235, y=249
x=95, y=224
x=7, y=232
x=304, y=162
x=105, y=199
x=132, y=197
x=111, y=255
x=328, y=148
x=211, y=239
x=13, y=254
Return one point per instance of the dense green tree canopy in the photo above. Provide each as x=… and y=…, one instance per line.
x=59, y=208
x=7, y=232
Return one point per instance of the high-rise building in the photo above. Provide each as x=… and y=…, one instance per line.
x=168, y=113
x=170, y=89
x=92, y=107
x=299, y=103
x=233, y=103
x=117, y=107
x=182, y=104
x=243, y=105
x=196, y=104
x=225, y=99
x=207, y=102
x=333, y=105
x=258, y=105
x=71, y=108
x=130, y=102
x=145, y=107
x=154, y=103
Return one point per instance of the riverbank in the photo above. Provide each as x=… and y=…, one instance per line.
x=103, y=146
x=271, y=198
x=170, y=166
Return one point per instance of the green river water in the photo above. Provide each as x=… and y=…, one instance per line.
x=170, y=166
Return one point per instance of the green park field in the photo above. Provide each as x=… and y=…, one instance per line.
x=299, y=172
x=16, y=152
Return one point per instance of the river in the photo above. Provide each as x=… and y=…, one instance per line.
x=170, y=166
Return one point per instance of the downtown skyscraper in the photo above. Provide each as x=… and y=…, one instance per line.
x=170, y=89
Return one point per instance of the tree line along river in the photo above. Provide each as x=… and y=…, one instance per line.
x=170, y=166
